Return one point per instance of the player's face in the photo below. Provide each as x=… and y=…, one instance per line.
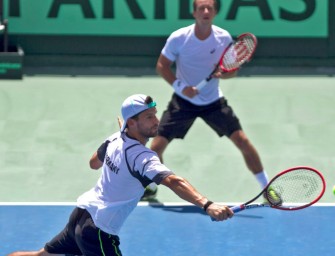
x=147, y=123
x=204, y=12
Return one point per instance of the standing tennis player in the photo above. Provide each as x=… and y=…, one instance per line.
x=196, y=50
x=128, y=166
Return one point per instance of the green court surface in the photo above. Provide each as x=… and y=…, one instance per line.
x=51, y=125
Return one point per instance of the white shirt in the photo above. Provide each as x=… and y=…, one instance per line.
x=128, y=168
x=195, y=60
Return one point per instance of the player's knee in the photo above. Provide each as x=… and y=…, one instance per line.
x=36, y=253
x=239, y=138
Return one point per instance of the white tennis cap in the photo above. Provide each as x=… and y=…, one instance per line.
x=134, y=105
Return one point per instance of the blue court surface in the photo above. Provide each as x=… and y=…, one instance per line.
x=184, y=230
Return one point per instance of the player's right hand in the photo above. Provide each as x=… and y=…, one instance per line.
x=219, y=212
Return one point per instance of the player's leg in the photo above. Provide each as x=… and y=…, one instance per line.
x=92, y=240
x=248, y=151
x=159, y=144
x=222, y=119
x=174, y=123
x=62, y=242
x=254, y=164
x=41, y=252
x=65, y=241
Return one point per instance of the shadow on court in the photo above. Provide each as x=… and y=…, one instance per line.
x=189, y=209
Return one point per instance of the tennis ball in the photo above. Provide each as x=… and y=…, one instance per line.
x=334, y=190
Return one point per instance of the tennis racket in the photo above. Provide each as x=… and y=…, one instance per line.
x=234, y=56
x=292, y=189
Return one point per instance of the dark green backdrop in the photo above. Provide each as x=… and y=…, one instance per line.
x=126, y=33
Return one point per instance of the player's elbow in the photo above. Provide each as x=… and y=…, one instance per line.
x=159, y=68
x=94, y=162
x=93, y=165
x=163, y=65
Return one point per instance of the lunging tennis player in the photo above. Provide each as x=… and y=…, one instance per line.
x=128, y=166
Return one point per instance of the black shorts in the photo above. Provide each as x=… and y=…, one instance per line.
x=82, y=237
x=181, y=114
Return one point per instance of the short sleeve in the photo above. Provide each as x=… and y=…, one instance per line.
x=151, y=167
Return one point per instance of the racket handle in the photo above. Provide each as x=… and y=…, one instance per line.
x=235, y=209
x=238, y=208
x=202, y=84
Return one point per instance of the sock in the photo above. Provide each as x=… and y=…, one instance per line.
x=262, y=178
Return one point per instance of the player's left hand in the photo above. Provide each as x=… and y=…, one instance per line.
x=225, y=75
x=190, y=91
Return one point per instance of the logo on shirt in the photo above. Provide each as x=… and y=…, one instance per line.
x=111, y=165
x=212, y=51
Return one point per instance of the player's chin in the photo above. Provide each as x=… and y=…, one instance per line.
x=207, y=20
x=154, y=132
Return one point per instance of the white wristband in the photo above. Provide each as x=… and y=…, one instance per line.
x=178, y=86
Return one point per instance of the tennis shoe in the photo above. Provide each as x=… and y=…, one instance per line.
x=272, y=197
x=149, y=193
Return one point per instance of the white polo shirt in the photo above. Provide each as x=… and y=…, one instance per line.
x=195, y=60
x=127, y=169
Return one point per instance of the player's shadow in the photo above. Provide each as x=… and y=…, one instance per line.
x=190, y=209
x=179, y=208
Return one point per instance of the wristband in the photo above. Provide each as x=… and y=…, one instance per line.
x=178, y=86
x=206, y=205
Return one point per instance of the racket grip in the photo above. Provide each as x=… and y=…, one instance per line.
x=201, y=85
x=235, y=209
x=238, y=208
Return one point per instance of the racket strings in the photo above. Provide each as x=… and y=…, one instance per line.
x=239, y=53
x=297, y=187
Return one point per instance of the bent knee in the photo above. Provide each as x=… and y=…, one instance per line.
x=240, y=139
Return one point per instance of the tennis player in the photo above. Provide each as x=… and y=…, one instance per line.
x=196, y=50
x=128, y=166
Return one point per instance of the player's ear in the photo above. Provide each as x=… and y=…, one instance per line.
x=131, y=122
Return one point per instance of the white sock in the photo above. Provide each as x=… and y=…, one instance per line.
x=262, y=178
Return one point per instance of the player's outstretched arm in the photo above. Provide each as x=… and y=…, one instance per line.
x=187, y=192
